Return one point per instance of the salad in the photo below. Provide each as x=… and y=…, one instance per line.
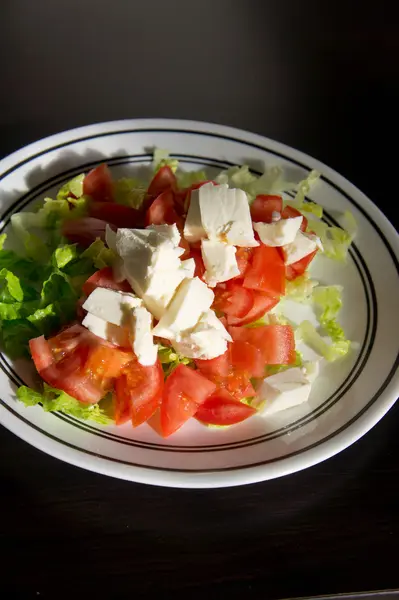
x=164, y=301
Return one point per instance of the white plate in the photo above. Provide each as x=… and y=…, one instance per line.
x=348, y=399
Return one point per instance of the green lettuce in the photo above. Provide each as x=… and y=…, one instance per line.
x=170, y=359
x=186, y=179
x=300, y=289
x=53, y=400
x=273, y=369
x=328, y=301
x=100, y=255
x=336, y=241
x=130, y=192
x=330, y=351
x=74, y=186
x=161, y=158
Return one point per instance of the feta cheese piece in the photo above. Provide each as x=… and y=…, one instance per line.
x=120, y=336
x=219, y=260
x=218, y=212
x=284, y=390
x=316, y=239
x=279, y=233
x=188, y=267
x=207, y=340
x=117, y=266
x=143, y=341
x=112, y=306
x=299, y=248
x=192, y=298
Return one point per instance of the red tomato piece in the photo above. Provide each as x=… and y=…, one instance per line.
x=41, y=353
x=180, y=197
x=98, y=184
x=246, y=358
x=105, y=278
x=199, y=263
x=196, y=186
x=237, y=384
x=116, y=214
x=262, y=303
x=107, y=362
x=223, y=409
x=243, y=257
x=233, y=299
x=162, y=210
x=69, y=339
x=289, y=212
x=144, y=386
x=266, y=272
x=264, y=206
x=219, y=366
x=276, y=342
x=162, y=181
x=84, y=231
x=298, y=268
x=185, y=391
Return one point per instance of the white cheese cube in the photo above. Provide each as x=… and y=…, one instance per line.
x=143, y=341
x=284, y=390
x=225, y=215
x=160, y=289
x=188, y=267
x=112, y=306
x=192, y=298
x=219, y=260
x=279, y=233
x=207, y=340
x=299, y=248
x=169, y=232
x=193, y=229
x=120, y=336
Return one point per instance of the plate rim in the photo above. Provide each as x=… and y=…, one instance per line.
x=329, y=446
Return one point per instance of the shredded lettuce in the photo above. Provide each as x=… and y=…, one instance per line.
x=301, y=288
x=331, y=352
x=53, y=399
x=273, y=369
x=336, y=241
x=161, y=158
x=171, y=359
x=100, y=254
x=74, y=186
x=328, y=301
x=186, y=179
x=130, y=192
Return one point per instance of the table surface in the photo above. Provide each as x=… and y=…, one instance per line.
x=319, y=76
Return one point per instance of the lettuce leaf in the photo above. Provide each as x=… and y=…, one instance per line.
x=331, y=352
x=171, y=359
x=130, y=192
x=15, y=335
x=161, y=158
x=273, y=369
x=74, y=186
x=336, y=241
x=100, y=255
x=328, y=301
x=53, y=399
x=186, y=179
x=301, y=288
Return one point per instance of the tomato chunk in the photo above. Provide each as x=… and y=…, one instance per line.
x=98, y=184
x=219, y=366
x=105, y=278
x=298, y=268
x=199, y=263
x=243, y=257
x=276, y=342
x=138, y=392
x=41, y=353
x=163, y=180
x=246, y=358
x=266, y=272
x=289, y=212
x=162, y=210
x=84, y=231
x=116, y=214
x=262, y=303
x=233, y=299
x=222, y=409
x=106, y=361
x=185, y=390
x=264, y=206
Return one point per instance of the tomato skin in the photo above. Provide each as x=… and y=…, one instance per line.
x=107, y=362
x=145, y=386
x=276, y=342
x=289, y=212
x=264, y=206
x=246, y=358
x=98, y=184
x=243, y=257
x=105, y=278
x=162, y=181
x=185, y=390
x=233, y=299
x=266, y=272
x=162, y=210
x=262, y=303
x=219, y=366
x=298, y=268
x=223, y=409
x=116, y=214
x=84, y=231
x=41, y=353
x=122, y=401
x=199, y=263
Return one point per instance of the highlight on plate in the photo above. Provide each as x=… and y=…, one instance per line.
x=163, y=301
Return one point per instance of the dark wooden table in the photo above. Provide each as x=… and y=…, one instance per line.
x=320, y=76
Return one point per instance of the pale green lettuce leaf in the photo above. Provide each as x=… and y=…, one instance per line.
x=186, y=179
x=330, y=351
x=161, y=158
x=171, y=359
x=100, y=254
x=74, y=186
x=130, y=192
x=301, y=288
